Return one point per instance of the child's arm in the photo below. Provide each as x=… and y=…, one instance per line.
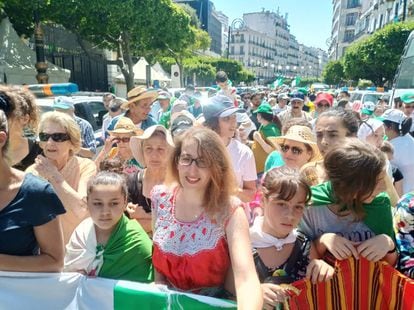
x=340, y=247
x=318, y=270
x=266, y=147
x=380, y=247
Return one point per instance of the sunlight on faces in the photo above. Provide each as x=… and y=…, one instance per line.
x=329, y=132
x=292, y=160
x=57, y=151
x=296, y=105
x=281, y=216
x=141, y=108
x=192, y=176
x=155, y=151
x=228, y=126
x=106, y=205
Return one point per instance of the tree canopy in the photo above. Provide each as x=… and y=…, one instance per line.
x=376, y=58
x=333, y=73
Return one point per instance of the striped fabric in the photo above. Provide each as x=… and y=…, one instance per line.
x=357, y=284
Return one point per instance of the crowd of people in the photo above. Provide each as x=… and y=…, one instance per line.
x=229, y=198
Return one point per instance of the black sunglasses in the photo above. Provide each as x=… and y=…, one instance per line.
x=295, y=150
x=188, y=160
x=57, y=137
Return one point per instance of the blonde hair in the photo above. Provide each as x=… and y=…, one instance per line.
x=66, y=122
x=218, y=195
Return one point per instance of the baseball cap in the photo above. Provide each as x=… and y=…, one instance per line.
x=393, y=115
x=368, y=108
x=219, y=106
x=408, y=98
x=63, y=103
x=181, y=123
x=264, y=108
x=163, y=95
x=283, y=96
x=297, y=96
x=324, y=97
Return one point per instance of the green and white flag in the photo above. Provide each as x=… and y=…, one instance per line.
x=22, y=290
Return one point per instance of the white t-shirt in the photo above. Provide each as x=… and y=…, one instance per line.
x=243, y=162
x=404, y=160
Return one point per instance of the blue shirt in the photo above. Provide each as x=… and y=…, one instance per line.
x=34, y=205
x=88, y=138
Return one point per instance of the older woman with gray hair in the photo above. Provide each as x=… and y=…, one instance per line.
x=60, y=141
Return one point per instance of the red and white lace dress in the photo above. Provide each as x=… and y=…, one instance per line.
x=191, y=255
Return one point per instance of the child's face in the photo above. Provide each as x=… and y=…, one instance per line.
x=106, y=204
x=281, y=216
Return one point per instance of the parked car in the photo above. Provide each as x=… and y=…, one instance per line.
x=365, y=96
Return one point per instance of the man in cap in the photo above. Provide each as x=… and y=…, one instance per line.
x=282, y=101
x=408, y=107
x=297, y=102
x=138, y=108
x=66, y=105
x=367, y=110
x=163, y=105
x=114, y=109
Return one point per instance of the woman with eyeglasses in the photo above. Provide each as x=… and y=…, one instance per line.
x=152, y=149
x=20, y=108
x=200, y=231
x=297, y=146
x=60, y=141
x=30, y=231
x=117, y=145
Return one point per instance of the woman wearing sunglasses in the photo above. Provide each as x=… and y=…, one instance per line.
x=60, y=141
x=117, y=145
x=201, y=234
x=297, y=146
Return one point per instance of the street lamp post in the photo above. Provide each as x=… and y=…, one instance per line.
x=41, y=65
x=236, y=22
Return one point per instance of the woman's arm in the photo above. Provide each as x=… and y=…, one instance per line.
x=246, y=194
x=50, y=239
x=248, y=290
x=259, y=139
x=399, y=188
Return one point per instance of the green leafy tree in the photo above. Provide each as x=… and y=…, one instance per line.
x=146, y=28
x=376, y=58
x=333, y=73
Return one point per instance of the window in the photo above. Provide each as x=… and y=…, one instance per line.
x=351, y=19
x=352, y=4
x=232, y=50
x=349, y=35
x=242, y=37
x=241, y=50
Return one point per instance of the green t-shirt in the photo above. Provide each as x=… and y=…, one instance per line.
x=269, y=130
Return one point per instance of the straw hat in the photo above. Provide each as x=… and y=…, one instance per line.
x=139, y=93
x=136, y=142
x=125, y=125
x=301, y=134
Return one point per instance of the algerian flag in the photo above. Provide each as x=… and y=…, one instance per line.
x=26, y=290
x=296, y=81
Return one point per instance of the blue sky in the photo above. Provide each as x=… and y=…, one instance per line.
x=310, y=20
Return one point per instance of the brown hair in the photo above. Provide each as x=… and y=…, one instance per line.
x=387, y=147
x=284, y=183
x=108, y=178
x=293, y=122
x=353, y=169
x=112, y=165
x=218, y=195
x=28, y=106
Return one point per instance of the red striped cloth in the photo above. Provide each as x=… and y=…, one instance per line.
x=357, y=284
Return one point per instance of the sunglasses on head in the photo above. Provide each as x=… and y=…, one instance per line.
x=123, y=139
x=294, y=149
x=57, y=137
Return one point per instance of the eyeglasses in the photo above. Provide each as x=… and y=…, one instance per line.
x=57, y=137
x=123, y=139
x=294, y=149
x=188, y=161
